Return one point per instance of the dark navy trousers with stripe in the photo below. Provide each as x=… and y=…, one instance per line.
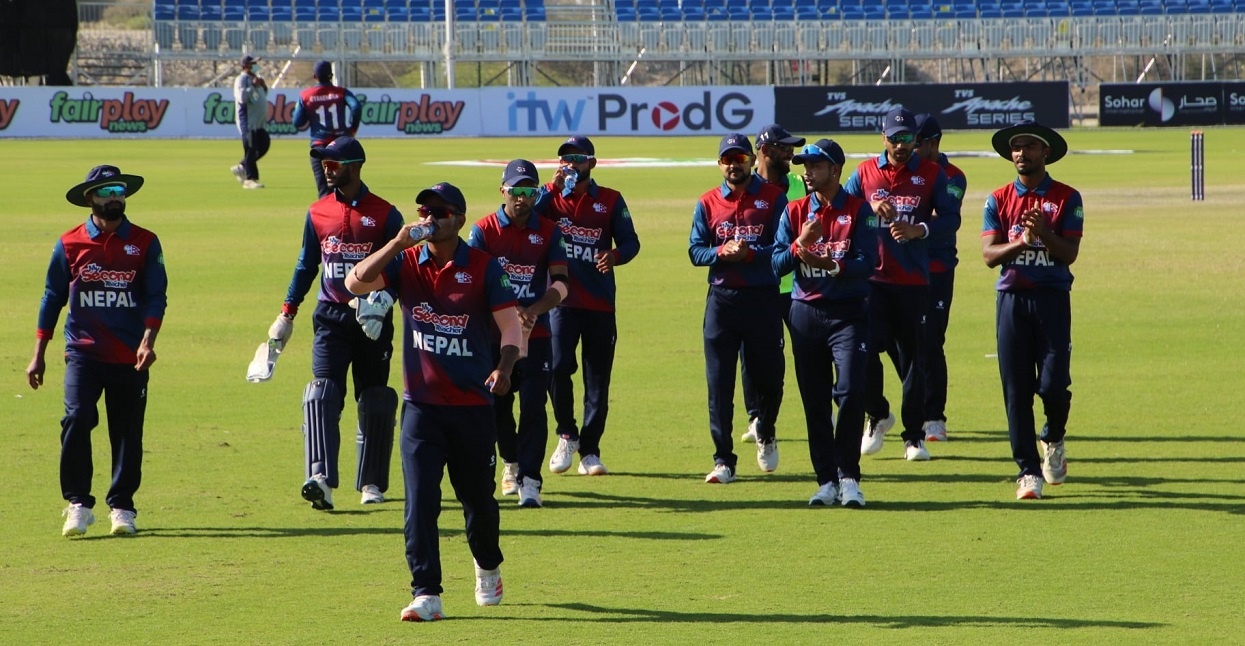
x=599, y=332
x=525, y=442
x=897, y=326
x=125, y=398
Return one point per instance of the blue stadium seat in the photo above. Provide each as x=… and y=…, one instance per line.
x=804, y=12
x=963, y=12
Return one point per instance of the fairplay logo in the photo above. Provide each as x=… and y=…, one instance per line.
x=422, y=117
x=7, y=110
x=216, y=109
x=127, y=114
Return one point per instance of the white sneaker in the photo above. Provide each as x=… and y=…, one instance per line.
x=767, y=455
x=915, y=451
x=590, y=465
x=1028, y=488
x=317, y=492
x=372, y=495
x=425, y=607
x=239, y=173
x=826, y=495
x=1054, y=464
x=935, y=431
x=488, y=586
x=122, y=522
x=875, y=431
x=750, y=435
x=850, y=494
x=560, y=461
x=510, y=478
x=250, y=184
x=529, y=494
x=721, y=474
x=77, y=519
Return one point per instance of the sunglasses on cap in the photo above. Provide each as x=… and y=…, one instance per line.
x=435, y=212
x=110, y=191
x=577, y=159
x=521, y=191
x=731, y=159
x=902, y=138
x=336, y=164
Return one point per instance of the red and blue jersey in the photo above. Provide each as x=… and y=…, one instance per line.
x=846, y=237
x=115, y=286
x=329, y=112
x=592, y=222
x=942, y=252
x=338, y=234
x=524, y=253
x=750, y=215
x=1034, y=267
x=917, y=190
x=448, y=315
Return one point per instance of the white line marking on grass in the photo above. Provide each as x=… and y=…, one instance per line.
x=659, y=162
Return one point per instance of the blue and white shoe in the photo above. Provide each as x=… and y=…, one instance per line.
x=317, y=492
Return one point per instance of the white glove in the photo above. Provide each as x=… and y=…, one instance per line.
x=370, y=312
x=281, y=329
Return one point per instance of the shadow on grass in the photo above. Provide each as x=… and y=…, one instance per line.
x=640, y=615
x=302, y=532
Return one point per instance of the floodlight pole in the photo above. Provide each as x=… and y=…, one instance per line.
x=449, y=44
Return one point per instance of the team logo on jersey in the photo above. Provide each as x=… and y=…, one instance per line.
x=917, y=180
x=844, y=219
x=535, y=238
x=1078, y=213
x=761, y=204
x=517, y=272
x=599, y=207
x=348, y=250
x=443, y=323
x=463, y=278
x=955, y=191
x=115, y=279
x=626, y=213
x=732, y=231
x=132, y=250
x=1050, y=208
x=578, y=234
x=367, y=221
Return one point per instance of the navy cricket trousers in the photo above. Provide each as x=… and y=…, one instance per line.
x=745, y=375
x=459, y=439
x=1035, y=354
x=599, y=332
x=897, y=324
x=941, y=289
x=525, y=442
x=125, y=398
x=828, y=341
x=745, y=321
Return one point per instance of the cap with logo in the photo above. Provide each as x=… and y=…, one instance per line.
x=735, y=142
x=824, y=149
x=577, y=144
x=345, y=148
x=927, y=126
x=447, y=192
x=249, y=60
x=103, y=176
x=899, y=120
x=518, y=171
x=776, y=134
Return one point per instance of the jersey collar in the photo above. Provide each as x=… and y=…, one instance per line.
x=122, y=231
x=1041, y=189
x=753, y=187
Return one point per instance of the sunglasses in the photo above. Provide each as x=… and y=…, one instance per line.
x=110, y=191
x=576, y=159
x=735, y=158
x=902, y=138
x=521, y=191
x=785, y=149
x=435, y=212
x=335, y=165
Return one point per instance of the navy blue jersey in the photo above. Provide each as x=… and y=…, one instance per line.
x=329, y=112
x=752, y=215
x=846, y=237
x=1034, y=267
x=524, y=254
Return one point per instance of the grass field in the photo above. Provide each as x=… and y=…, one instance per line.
x=1142, y=545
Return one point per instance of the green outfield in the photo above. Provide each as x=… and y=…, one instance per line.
x=1142, y=545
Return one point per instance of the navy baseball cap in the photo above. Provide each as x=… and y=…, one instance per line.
x=899, y=120
x=519, y=170
x=826, y=149
x=927, y=126
x=447, y=192
x=735, y=141
x=323, y=71
x=103, y=176
x=1002, y=140
x=248, y=60
x=776, y=134
x=344, y=148
x=578, y=143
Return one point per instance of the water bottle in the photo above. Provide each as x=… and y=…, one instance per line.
x=421, y=232
x=571, y=177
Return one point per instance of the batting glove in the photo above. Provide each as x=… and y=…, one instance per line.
x=370, y=312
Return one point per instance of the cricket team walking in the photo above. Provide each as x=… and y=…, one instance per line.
x=856, y=267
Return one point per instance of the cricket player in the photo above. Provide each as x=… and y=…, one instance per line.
x=1031, y=230
x=942, y=262
x=905, y=192
x=774, y=149
x=250, y=96
x=530, y=250
x=599, y=235
x=732, y=234
x=351, y=333
x=329, y=111
x=451, y=295
x=826, y=240
x=110, y=272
